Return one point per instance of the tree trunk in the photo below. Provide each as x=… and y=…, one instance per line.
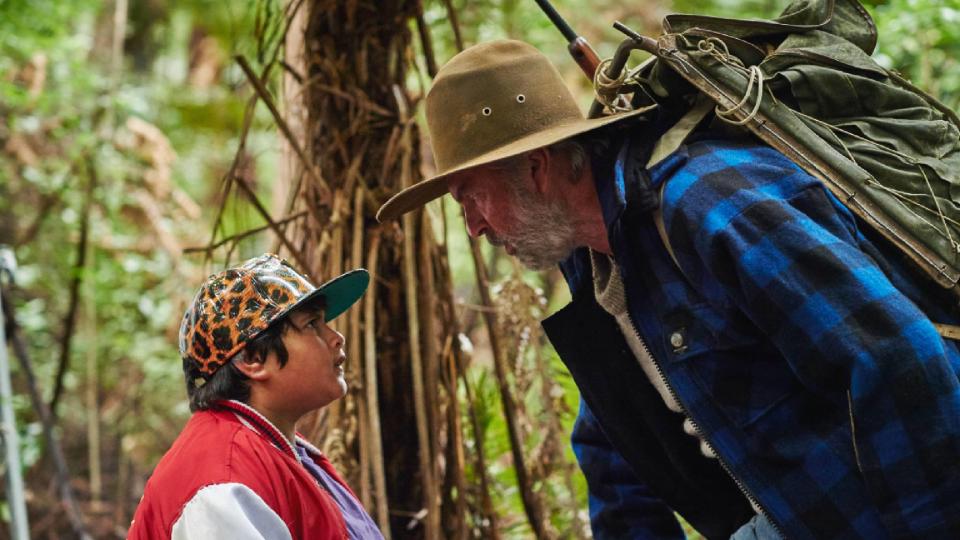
x=400, y=435
x=386, y=435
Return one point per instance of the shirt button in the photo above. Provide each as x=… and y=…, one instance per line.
x=676, y=340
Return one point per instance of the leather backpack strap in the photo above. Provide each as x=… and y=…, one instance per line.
x=668, y=144
x=674, y=137
x=948, y=331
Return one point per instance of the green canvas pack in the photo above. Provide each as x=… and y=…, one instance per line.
x=805, y=84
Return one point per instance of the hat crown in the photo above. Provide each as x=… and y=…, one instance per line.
x=493, y=101
x=491, y=95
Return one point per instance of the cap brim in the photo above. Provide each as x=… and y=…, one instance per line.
x=339, y=293
x=429, y=189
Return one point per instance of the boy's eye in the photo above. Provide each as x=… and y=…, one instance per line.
x=316, y=324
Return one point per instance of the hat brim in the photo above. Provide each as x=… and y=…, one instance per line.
x=429, y=189
x=340, y=293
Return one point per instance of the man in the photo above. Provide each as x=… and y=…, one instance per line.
x=258, y=355
x=769, y=371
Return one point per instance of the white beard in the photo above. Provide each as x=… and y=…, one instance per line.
x=543, y=234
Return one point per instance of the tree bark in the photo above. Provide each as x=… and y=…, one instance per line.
x=364, y=144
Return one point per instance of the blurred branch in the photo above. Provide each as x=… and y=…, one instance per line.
x=70, y=319
x=292, y=71
x=425, y=40
x=301, y=261
x=245, y=234
x=231, y=173
x=411, y=285
x=455, y=24
x=324, y=189
x=427, y=303
x=530, y=503
x=371, y=388
x=244, y=131
x=47, y=202
x=476, y=307
x=61, y=473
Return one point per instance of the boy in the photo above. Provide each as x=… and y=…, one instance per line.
x=257, y=356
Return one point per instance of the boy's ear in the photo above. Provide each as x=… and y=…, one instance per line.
x=254, y=367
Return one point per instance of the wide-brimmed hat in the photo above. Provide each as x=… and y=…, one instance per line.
x=234, y=306
x=493, y=101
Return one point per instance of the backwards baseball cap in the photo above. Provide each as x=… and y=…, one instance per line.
x=234, y=306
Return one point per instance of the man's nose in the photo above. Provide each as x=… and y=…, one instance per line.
x=476, y=225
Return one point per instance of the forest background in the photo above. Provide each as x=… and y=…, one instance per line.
x=147, y=143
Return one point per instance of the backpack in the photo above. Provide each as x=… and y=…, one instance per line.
x=805, y=84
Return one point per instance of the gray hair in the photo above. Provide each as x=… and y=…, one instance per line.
x=573, y=148
x=577, y=153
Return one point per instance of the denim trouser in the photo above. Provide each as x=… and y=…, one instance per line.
x=758, y=528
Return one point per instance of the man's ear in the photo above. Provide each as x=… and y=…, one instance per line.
x=539, y=163
x=254, y=367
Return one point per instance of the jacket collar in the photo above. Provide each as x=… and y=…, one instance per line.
x=610, y=181
x=252, y=418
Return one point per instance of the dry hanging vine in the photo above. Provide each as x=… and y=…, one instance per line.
x=348, y=124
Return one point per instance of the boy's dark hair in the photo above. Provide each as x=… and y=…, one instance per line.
x=229, y=382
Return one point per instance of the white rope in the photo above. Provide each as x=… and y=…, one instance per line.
x=956, y=246
x=608, y=90
x=756, y=77
x=709, y=45
x=713, y=46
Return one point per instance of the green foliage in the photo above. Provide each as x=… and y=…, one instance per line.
x=135, y=151
x=921, y=39
x=39, y=24
x=65, y=114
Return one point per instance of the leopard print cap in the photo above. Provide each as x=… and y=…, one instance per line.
x=232, y=307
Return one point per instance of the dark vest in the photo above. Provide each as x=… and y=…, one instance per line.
x=630, y=411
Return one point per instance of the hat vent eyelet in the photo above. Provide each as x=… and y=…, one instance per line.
x=521, y=98
x=487, y=111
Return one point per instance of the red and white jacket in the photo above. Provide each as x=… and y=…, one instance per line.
x=232, y=474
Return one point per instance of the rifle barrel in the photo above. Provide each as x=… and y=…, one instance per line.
x=557, y=20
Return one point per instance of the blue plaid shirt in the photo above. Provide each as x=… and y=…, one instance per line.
x=806, y=356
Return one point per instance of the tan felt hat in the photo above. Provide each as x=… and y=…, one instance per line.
x=492, y=101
